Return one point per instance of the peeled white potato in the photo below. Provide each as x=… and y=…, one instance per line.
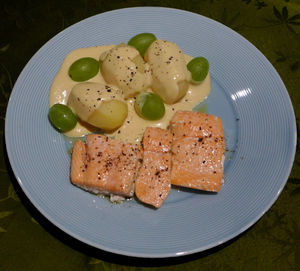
x=98, y=104
x=124, y=67
x=170, y=77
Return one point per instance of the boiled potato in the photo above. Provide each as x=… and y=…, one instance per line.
x=98, y=104
x=109, y=115
x=170, y=77
x=139, y=63
x=124, y=67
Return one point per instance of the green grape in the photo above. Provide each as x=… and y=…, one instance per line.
x=62, y=117
x=84, y=69
x=142, y=41
x=198, y=67
x=149, y=106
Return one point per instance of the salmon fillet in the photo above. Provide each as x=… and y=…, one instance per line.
x=197, y=150
x=105, y=165
x=153, y=182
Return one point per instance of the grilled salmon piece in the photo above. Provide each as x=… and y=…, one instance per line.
x=197, y=151
x=104, y=165
x=153, y=182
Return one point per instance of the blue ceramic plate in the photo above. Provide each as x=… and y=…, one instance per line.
x=247, y=94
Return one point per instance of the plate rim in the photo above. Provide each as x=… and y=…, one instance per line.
x=122, y=252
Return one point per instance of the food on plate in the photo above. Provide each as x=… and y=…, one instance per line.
x=141, y=42
x=124, y=67
x=153, y=183
x=84, y=69
x=170, y=76
x=100, y=105
x=149, y=106
x=104, y=165
x=189, y=154
x=62, y=117
x=198, y=147
x=198, y=68
x=146, y=90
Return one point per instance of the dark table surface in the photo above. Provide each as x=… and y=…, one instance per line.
x=29, y=242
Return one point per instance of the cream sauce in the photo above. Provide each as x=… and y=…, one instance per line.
x=134, y=126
